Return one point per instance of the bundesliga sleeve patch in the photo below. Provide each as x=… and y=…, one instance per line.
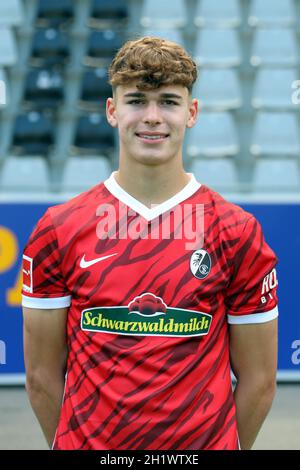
x=27, y=274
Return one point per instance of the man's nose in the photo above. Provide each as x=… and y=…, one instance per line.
x=152, y=114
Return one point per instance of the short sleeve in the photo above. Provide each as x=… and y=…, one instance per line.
x=251, y=296
x=43, y=283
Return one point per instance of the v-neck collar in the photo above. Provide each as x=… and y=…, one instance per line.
x=151, y=213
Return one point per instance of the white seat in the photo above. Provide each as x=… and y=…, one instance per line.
x=218, y=89
x=8, y=47
x=271, y=13
x=272, y=89
x=275, y=134
x=276, y=175
x=219, y=174
x=11, y=12
x=214, y=135
x=82, y=173
x=158, y=14
x=224, y=14
x=276, y=47
x=217, y=47
x=25, y=174
x=169, y=34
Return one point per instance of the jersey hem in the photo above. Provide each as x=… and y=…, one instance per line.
x=253, y=317
x=44, y=303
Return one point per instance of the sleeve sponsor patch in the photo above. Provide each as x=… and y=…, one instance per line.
x=27, y=274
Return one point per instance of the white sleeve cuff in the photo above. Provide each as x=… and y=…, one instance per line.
x=44, y=303
x=253, y=317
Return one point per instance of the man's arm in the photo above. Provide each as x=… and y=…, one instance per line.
x=253, y=356
x=45, y=352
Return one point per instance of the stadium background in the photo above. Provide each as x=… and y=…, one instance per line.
x=55, y=142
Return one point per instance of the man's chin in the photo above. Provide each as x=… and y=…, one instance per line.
x=153, y=159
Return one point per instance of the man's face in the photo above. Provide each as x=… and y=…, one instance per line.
x=151, y=124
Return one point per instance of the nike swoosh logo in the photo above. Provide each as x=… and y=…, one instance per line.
x=26, y=272
x=86, y=264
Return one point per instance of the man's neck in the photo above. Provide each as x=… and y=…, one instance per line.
x=151, y=184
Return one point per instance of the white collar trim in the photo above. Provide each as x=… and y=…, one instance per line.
x=151, y=213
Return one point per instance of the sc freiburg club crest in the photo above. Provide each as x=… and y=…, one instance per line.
x=200, y=264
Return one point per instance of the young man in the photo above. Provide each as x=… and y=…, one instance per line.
x=140, y=293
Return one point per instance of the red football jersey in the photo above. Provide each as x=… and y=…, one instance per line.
x=150, y=293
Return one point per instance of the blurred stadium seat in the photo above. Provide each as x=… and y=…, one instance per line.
x=81, y=174
x=219, y=174
x=50, y=47
x=272, y=89
x=93, y=135
x=11, y=13
x=276, y=175
x=158, y=14
x=218, y=90
x=33, y=134
x=54, y=12
x=95, y=89
x=24, y=174
x=44, y=88
x=217, y=47
x=272, y=13
x=275, y=47
x=102, y=46
x=214, y=135
x=213, y=13
x=108, y=13
x=275, y=134
x=8, y=47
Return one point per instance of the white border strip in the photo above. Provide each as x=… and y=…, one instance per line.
x=253, y=317
x=12, y=379
x=288, y=375
x=35, y=302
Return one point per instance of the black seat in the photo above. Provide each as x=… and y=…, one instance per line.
x=50, y=47
x=43, y=89
x=95, y=89
x=103, y=45
x=33, y=134
x=93, y=134
x=108, y=12
x=54, y=12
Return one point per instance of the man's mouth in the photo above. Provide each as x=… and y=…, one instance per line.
x=155, y=137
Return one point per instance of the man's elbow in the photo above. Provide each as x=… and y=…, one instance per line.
x=35, y=383
x=262, y=385
x=41, y=381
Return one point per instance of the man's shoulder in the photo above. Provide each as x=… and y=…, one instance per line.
x=222, y=207
x=84, y=203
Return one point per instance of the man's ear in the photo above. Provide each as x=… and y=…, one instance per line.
x=193, y=113
x=111, y=111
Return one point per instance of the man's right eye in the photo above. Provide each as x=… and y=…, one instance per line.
x=137, y=101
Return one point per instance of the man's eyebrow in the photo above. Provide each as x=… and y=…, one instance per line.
x=138, y=94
